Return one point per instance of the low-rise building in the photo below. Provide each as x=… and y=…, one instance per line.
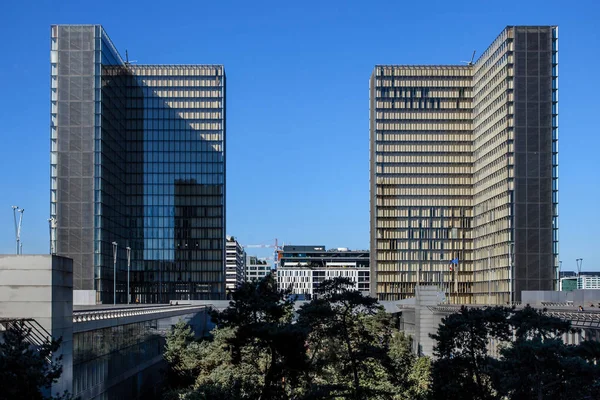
x=303, y=268
x=571, y=280
x=256, y=268
x=588, y=281
x=108, y=351
x=568, y=284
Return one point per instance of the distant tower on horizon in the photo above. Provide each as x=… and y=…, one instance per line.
x=464, y=172
x=137, y=158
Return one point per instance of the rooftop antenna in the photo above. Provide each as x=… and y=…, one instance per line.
x=127, y=62
x=470, y=63
x=18, y=225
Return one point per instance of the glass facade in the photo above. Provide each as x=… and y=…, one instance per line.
x=138, y=158
x=121, y=356
x=464, y=167
x=421, y=180
x=103, y=355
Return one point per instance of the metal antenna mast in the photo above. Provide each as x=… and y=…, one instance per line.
x=579, y=261
x=18, y=225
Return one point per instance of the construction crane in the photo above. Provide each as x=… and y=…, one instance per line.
x=275, y=246
x=262, y=246
x=17, y=210
x=469, y=63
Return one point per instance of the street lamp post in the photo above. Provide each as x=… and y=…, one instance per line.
x=579, y=262
x=114, y=244
x=128, y=268
x=559, y=279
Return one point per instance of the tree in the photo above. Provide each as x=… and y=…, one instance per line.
x=534, y=364
x=348, y=338
x=539, y=365
x=27, y=371
x=182, y=366
x=342, y=345
x=255, y=351
x=410, y=375
x=216, y=374
x=461, y=369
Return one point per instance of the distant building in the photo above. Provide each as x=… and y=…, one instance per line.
x=256, y=268
x=235, y=271
x=571, y=280
x=568, y=284
x=567, y=274
x=303, y=268
x=585, y=281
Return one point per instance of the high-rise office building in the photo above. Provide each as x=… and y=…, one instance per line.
x=464, y=179
x=138, y=159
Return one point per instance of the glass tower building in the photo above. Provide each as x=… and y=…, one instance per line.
x=137, y=158
x=464, y=172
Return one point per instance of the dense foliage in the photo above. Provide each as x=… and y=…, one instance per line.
x=27, y=371
x=532, y=362
x=340, y=345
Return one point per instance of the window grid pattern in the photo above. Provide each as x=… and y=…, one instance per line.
x=482, y=159
x=493, y=171
x=137, y=158
x=235, y=264
x=182, y=120
x=421, y=180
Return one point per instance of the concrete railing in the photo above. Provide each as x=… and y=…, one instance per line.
x=108, y=313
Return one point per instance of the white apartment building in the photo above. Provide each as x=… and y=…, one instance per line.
x=256, y=268
x=588, y=282
x=235, y=264
x=303, y=268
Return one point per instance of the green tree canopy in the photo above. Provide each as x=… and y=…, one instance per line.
x=340, y=345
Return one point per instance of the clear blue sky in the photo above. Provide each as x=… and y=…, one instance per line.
x=298, y=101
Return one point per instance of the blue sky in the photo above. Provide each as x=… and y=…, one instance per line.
x=298, y=101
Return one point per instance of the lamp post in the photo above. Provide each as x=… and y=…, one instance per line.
x=128, y=268
x=559, y=278
x=579, y=262
x=18, y=225
x=114, y=244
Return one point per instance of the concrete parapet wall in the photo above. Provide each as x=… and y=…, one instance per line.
x=41, y=287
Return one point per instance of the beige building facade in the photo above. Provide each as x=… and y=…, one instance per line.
x=464, y=176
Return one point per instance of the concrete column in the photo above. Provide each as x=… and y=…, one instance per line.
x=425, y=321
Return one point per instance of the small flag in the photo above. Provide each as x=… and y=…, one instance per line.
x=453, y=262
